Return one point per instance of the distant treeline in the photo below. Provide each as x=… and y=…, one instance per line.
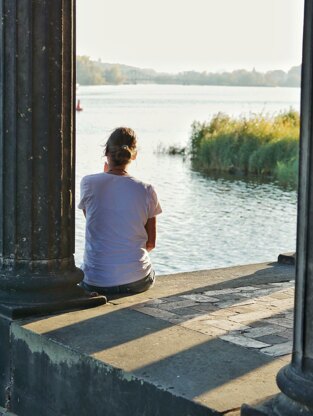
x=99, y=73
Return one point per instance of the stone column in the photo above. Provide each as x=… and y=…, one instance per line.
x=296, y=380
x=37, y=158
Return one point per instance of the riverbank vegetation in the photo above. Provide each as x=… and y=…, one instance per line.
x=91, y=72
x=257, y=145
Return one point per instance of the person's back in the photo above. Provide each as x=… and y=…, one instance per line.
x=120, y=223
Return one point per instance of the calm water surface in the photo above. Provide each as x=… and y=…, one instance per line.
x=206, y=222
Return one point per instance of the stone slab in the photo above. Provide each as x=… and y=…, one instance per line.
x=170, y=354
x=244, y=341
x=263, y=330
x=273, y=339
x=165, y=357
x=184, y=303
x=54, y=379
x=278, y=350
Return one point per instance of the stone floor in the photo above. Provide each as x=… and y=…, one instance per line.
x=258, y=317
x=203, y=342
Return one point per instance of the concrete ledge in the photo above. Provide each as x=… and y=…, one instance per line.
x=70, y=383
x=4, y=412
x=118, y=361
x=287, y=258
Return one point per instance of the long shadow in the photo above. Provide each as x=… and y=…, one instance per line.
x=207, y=365
x=274, y=275
x=124, y=325
x=188, y=370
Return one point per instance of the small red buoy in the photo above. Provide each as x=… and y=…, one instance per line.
x=78, y=107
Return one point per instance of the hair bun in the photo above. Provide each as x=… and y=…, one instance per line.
x=121, y=145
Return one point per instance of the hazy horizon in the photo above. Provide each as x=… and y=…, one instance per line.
x=203, y=35
x=175, y=72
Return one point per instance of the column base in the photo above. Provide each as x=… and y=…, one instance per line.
x=296, y=397
x=281, y=405
x=21, y=304
x=26, y=293
x=263, y=410
x=16, y=311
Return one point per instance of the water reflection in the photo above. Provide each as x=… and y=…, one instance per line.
x=207, y=222
x=216, y=222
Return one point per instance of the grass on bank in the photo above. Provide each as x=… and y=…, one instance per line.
x=258, y=145
x=172, y=150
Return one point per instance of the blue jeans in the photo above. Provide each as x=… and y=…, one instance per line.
x=135, y=287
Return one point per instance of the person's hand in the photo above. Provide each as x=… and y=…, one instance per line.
x=105, y=167
x=150, y=246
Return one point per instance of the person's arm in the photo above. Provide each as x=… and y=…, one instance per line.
x=151, y=231
x=83, y=189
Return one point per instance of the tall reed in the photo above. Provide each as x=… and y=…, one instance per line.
x=259, y=145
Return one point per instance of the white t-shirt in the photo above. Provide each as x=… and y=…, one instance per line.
x=117, y=210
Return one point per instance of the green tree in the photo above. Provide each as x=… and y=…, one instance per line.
x=114, y=75
x=294, y=77
x=275, y=78
x=88, y=72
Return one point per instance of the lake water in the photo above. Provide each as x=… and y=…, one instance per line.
x=206, y=222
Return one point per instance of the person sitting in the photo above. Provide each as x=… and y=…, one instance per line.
x=120, y=213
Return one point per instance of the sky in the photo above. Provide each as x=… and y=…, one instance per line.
x=200, y=35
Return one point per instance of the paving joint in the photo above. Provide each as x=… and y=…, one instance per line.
x=231, y=314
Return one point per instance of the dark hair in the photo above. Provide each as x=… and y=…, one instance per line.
x=121, y=145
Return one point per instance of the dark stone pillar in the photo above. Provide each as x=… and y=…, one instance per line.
x=37, y=158
x=296, y=380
